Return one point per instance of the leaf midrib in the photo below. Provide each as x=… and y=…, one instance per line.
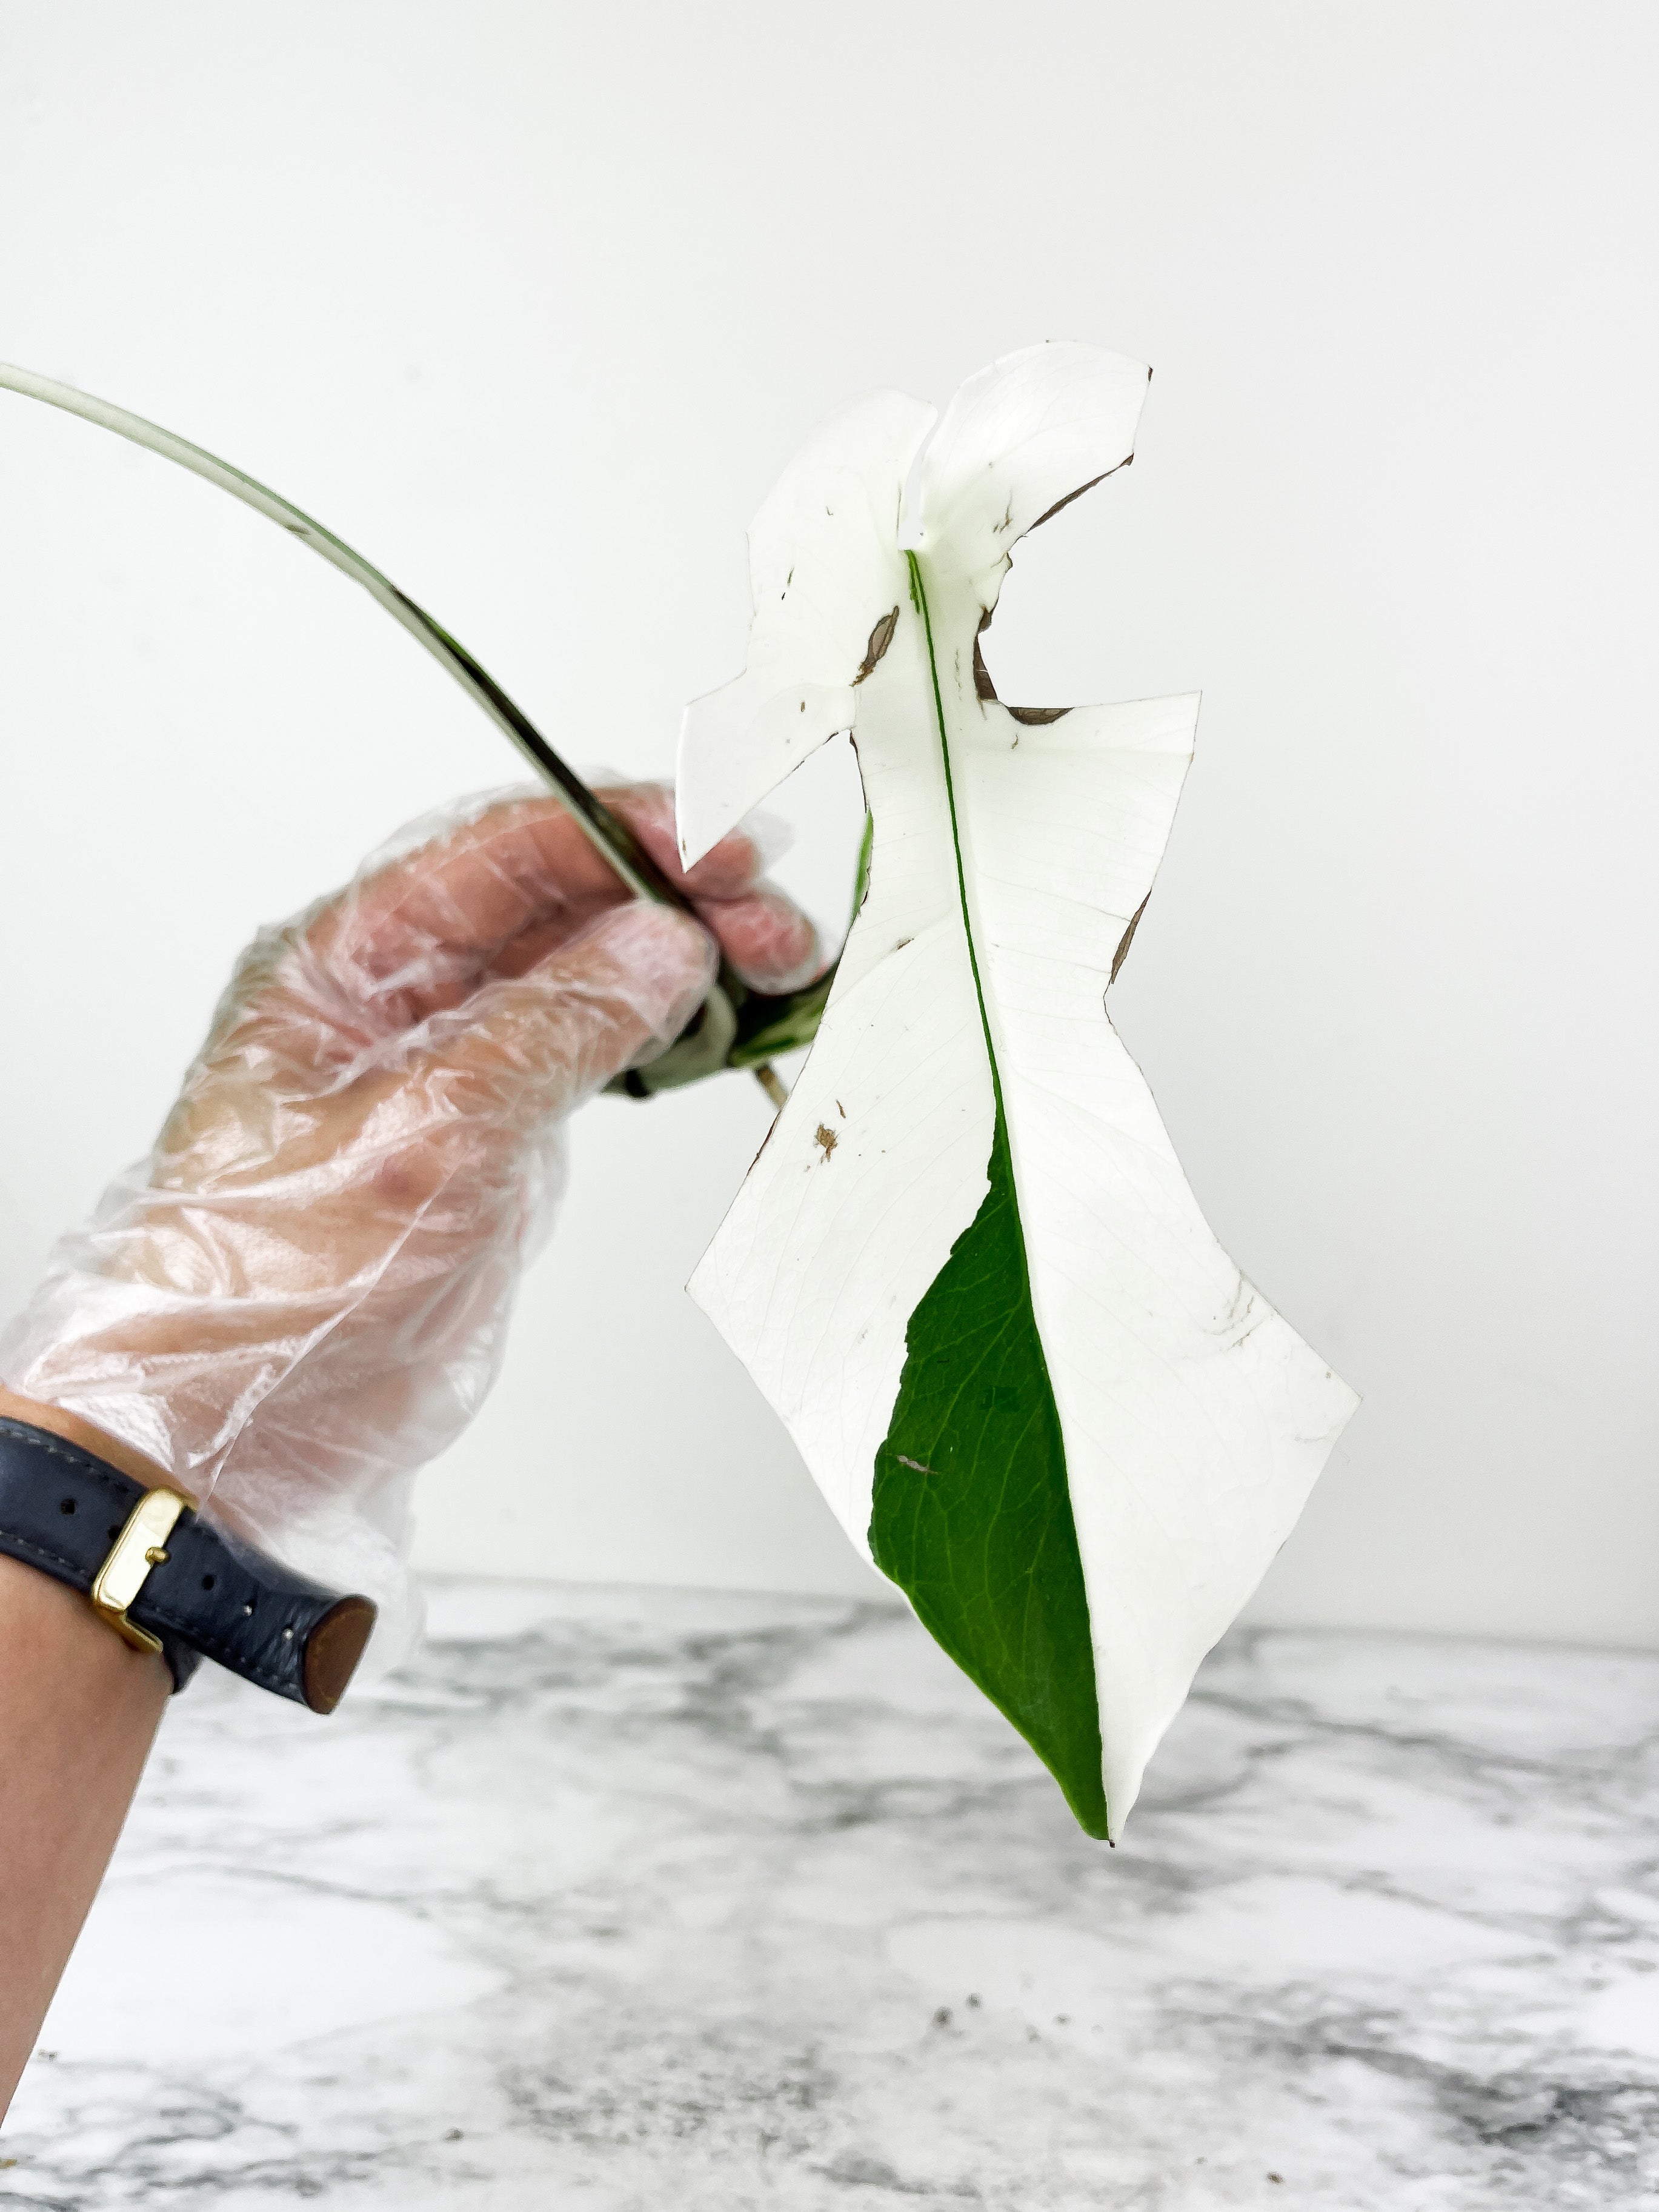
x=918, y=599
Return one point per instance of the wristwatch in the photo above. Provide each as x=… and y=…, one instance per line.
x=166, y=1580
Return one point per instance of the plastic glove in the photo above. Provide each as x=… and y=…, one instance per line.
x=302, y=1296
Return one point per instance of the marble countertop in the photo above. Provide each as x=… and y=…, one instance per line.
x=616, y=1901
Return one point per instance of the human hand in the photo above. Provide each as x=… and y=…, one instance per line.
x=302, y=1296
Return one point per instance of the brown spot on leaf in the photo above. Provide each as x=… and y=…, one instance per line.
x=916, y=1464
x=824, y=1135
x=1038, y=715
x=1050, y=513
x=880, y=638
x=1126, y=941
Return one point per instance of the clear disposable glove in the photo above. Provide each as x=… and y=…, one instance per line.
x=302, y=1296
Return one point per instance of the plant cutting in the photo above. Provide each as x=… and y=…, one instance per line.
x=965, y=1268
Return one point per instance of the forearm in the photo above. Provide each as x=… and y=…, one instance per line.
x=78, y=1712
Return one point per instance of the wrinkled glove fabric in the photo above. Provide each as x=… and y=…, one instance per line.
x=300, y=1295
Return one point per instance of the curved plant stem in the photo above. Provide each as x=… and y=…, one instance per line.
x=609, y=834
x=612, y=837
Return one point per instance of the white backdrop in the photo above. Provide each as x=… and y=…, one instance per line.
x=532, y=303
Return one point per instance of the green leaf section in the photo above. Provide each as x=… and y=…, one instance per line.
x=972, y=1517
x=972, y=1514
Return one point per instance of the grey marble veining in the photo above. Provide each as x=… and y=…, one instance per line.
x=621, y=1901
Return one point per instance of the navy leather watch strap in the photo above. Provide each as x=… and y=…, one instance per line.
x=61, y=1510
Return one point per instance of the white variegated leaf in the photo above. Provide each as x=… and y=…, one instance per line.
x=966, y=1267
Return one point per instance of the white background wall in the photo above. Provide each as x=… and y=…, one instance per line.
x=532, y=303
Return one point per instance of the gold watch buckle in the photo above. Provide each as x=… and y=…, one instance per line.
x=141, y=1546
